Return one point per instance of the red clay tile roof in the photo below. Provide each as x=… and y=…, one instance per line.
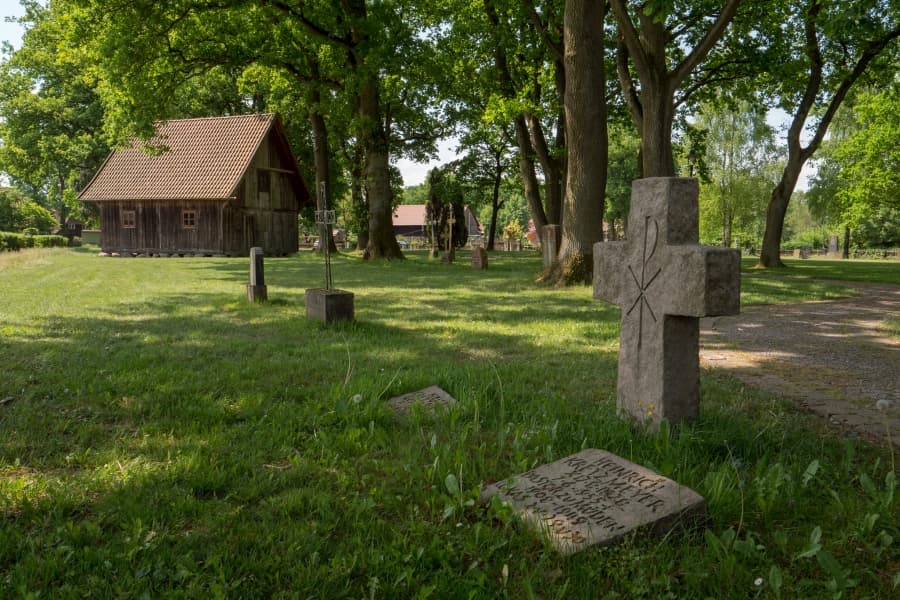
x=409, y=214
x=206, y=159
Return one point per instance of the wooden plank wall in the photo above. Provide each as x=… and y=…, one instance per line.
x=159, y=229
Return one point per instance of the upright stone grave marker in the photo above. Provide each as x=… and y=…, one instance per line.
x=256, y=289
x=664, y=281
x=479, y=258
x=833, y=251
x=328, y=304
x=595, y=498
x=550, y=238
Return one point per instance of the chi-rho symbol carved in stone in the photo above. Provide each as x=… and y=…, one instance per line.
x=664, y=281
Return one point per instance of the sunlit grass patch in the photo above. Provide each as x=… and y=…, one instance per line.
x=165, y=437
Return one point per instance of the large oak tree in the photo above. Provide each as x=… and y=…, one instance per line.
x=826, y=48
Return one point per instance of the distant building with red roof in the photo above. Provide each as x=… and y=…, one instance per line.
x=410, y=221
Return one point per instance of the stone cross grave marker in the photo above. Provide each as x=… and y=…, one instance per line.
x=451, y=251
x=256, y=289
x=664, y=281
x=595, y=498
x=430, y=398
x=327, y=304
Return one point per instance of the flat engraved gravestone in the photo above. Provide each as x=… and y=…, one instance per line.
x=430, y=398
x=595, y=498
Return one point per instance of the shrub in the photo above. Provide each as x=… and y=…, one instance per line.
x=13, y=242
x=50, y=241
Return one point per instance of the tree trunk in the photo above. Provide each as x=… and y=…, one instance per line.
x=845, y=253
x=770, y=254
x=321, y=159
x=495, y=204
x=530, y=183
x=656, y=138
x=359, y=198
x=586, y=142
x=656, y=105
x=553, y=169
x=382, y=241
x=526, y=150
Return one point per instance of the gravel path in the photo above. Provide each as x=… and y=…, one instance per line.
x=829, y=357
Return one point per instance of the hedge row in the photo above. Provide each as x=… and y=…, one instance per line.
x=16, y=241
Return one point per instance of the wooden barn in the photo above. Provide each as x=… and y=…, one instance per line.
x=214, y=186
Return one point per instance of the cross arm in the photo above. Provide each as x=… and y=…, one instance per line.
x=701, y=281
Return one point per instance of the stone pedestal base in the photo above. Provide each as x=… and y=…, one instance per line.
x=329, y=305
x=257, y=293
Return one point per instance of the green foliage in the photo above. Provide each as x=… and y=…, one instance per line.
x=445, y=198
x=52, y=117
x=880, y=228
x=162, y=447
x=869, y=158
x=415, y=194
x=739, y=174
x=18, y=212
x=624, y=145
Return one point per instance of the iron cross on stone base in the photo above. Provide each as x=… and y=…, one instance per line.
x=664, y=281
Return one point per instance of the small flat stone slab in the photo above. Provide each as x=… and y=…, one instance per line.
x=596, y=498
x=429, y=398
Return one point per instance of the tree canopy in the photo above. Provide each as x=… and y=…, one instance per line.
x=527, y=87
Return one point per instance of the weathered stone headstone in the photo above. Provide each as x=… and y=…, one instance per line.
x=833, y=251
x=595, y=498
x=256, y=289
x=664, y=281
x=801, y=253
x=479, y=258
x=430, y=398
x=550, y=238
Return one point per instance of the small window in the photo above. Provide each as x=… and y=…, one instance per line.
x=264, y=183
x=128, y=219
x=189, y=219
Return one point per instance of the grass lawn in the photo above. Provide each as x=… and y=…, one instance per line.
x=160, y=436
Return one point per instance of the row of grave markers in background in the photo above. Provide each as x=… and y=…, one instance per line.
x=329, y=304
x=664, y=282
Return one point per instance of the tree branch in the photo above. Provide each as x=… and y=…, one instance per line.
x=554, y=46
x=872, y=50
x=312, y=27
x=706, y=44
x=632, y=99
x=629, y=35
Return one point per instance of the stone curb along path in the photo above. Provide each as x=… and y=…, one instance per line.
x=830, y=357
